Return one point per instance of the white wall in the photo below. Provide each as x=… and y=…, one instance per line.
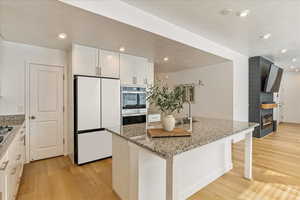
x=13, y=57
x=125, y=13
x=1, y=70
x=215, y=98
x=290, y=97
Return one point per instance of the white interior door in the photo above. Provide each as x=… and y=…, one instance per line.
x=46, y=111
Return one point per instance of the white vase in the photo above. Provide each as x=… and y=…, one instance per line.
x=168, y=122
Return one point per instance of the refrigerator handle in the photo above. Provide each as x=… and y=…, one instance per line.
x=75, y=97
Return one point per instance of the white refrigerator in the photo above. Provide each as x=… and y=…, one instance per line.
x=97, y=107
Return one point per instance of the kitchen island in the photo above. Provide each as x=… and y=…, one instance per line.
x=146, y=168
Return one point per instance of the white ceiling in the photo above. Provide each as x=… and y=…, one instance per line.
x=281, y=18
x=39, y=22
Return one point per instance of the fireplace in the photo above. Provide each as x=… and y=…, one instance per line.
x=267, y=120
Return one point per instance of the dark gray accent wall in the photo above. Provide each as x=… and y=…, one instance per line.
x=259, y=68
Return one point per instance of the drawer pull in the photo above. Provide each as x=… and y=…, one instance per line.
x=4, y=165
x=14, y=171
x=19, y=157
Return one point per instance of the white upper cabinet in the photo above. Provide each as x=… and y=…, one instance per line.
x=150, y=74
x=127, y=69
x=141, y=70
x=133, y=70
x=85, y=60
x=109, y=64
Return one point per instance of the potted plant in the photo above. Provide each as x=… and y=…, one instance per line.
x=168, y=101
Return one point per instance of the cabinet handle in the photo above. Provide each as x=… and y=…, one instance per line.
x=22, y=138
x=134, y=80
x=14, y=171
x=98, y=71
x=4, y=165
x=19, y=157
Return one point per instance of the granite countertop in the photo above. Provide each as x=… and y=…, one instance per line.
x=205, y=131
x=16, y=121
x=11, y=120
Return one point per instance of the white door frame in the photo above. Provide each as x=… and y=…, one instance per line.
x=27, y=105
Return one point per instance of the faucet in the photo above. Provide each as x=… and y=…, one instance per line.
x=190, y=116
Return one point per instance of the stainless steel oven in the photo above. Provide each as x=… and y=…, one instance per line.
x=134, y=105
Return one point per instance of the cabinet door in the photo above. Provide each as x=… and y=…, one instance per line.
x=4, y=173
x=133, y=69
x=150, y=74
x=127, y=69
x=111, y=112
x=21, y=152
x=109, y=64
x=85, y=60
x=141, y=65
x=12, y=170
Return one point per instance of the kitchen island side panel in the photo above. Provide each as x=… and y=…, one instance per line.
x=145, y=172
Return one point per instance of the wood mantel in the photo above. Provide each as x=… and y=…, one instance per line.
x=269, y=105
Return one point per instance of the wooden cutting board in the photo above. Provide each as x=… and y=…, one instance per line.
x=177, y=132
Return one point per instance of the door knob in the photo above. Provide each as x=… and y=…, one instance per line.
x=32, y=117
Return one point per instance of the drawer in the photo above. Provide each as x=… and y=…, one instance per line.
x=93, y=146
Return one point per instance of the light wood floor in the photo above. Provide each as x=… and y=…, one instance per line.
x=276, y=172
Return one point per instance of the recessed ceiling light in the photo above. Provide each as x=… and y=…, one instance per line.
x=122, y=49
x=266, y=36
x=243, y=13
x=226, y=11
x=166, y=58
x=297, y=70
x=294, y=59
x=292, y=67
x=62, y=36
x=283, y=50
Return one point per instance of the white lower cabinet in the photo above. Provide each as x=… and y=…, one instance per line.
x=11, y=166
x=4, y=174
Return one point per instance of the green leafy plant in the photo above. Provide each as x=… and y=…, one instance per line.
x=167, y=100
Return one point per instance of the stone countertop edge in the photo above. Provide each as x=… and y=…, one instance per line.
x=16, y=127
x=138, y=144
x=168, y=156
x=12, y=120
